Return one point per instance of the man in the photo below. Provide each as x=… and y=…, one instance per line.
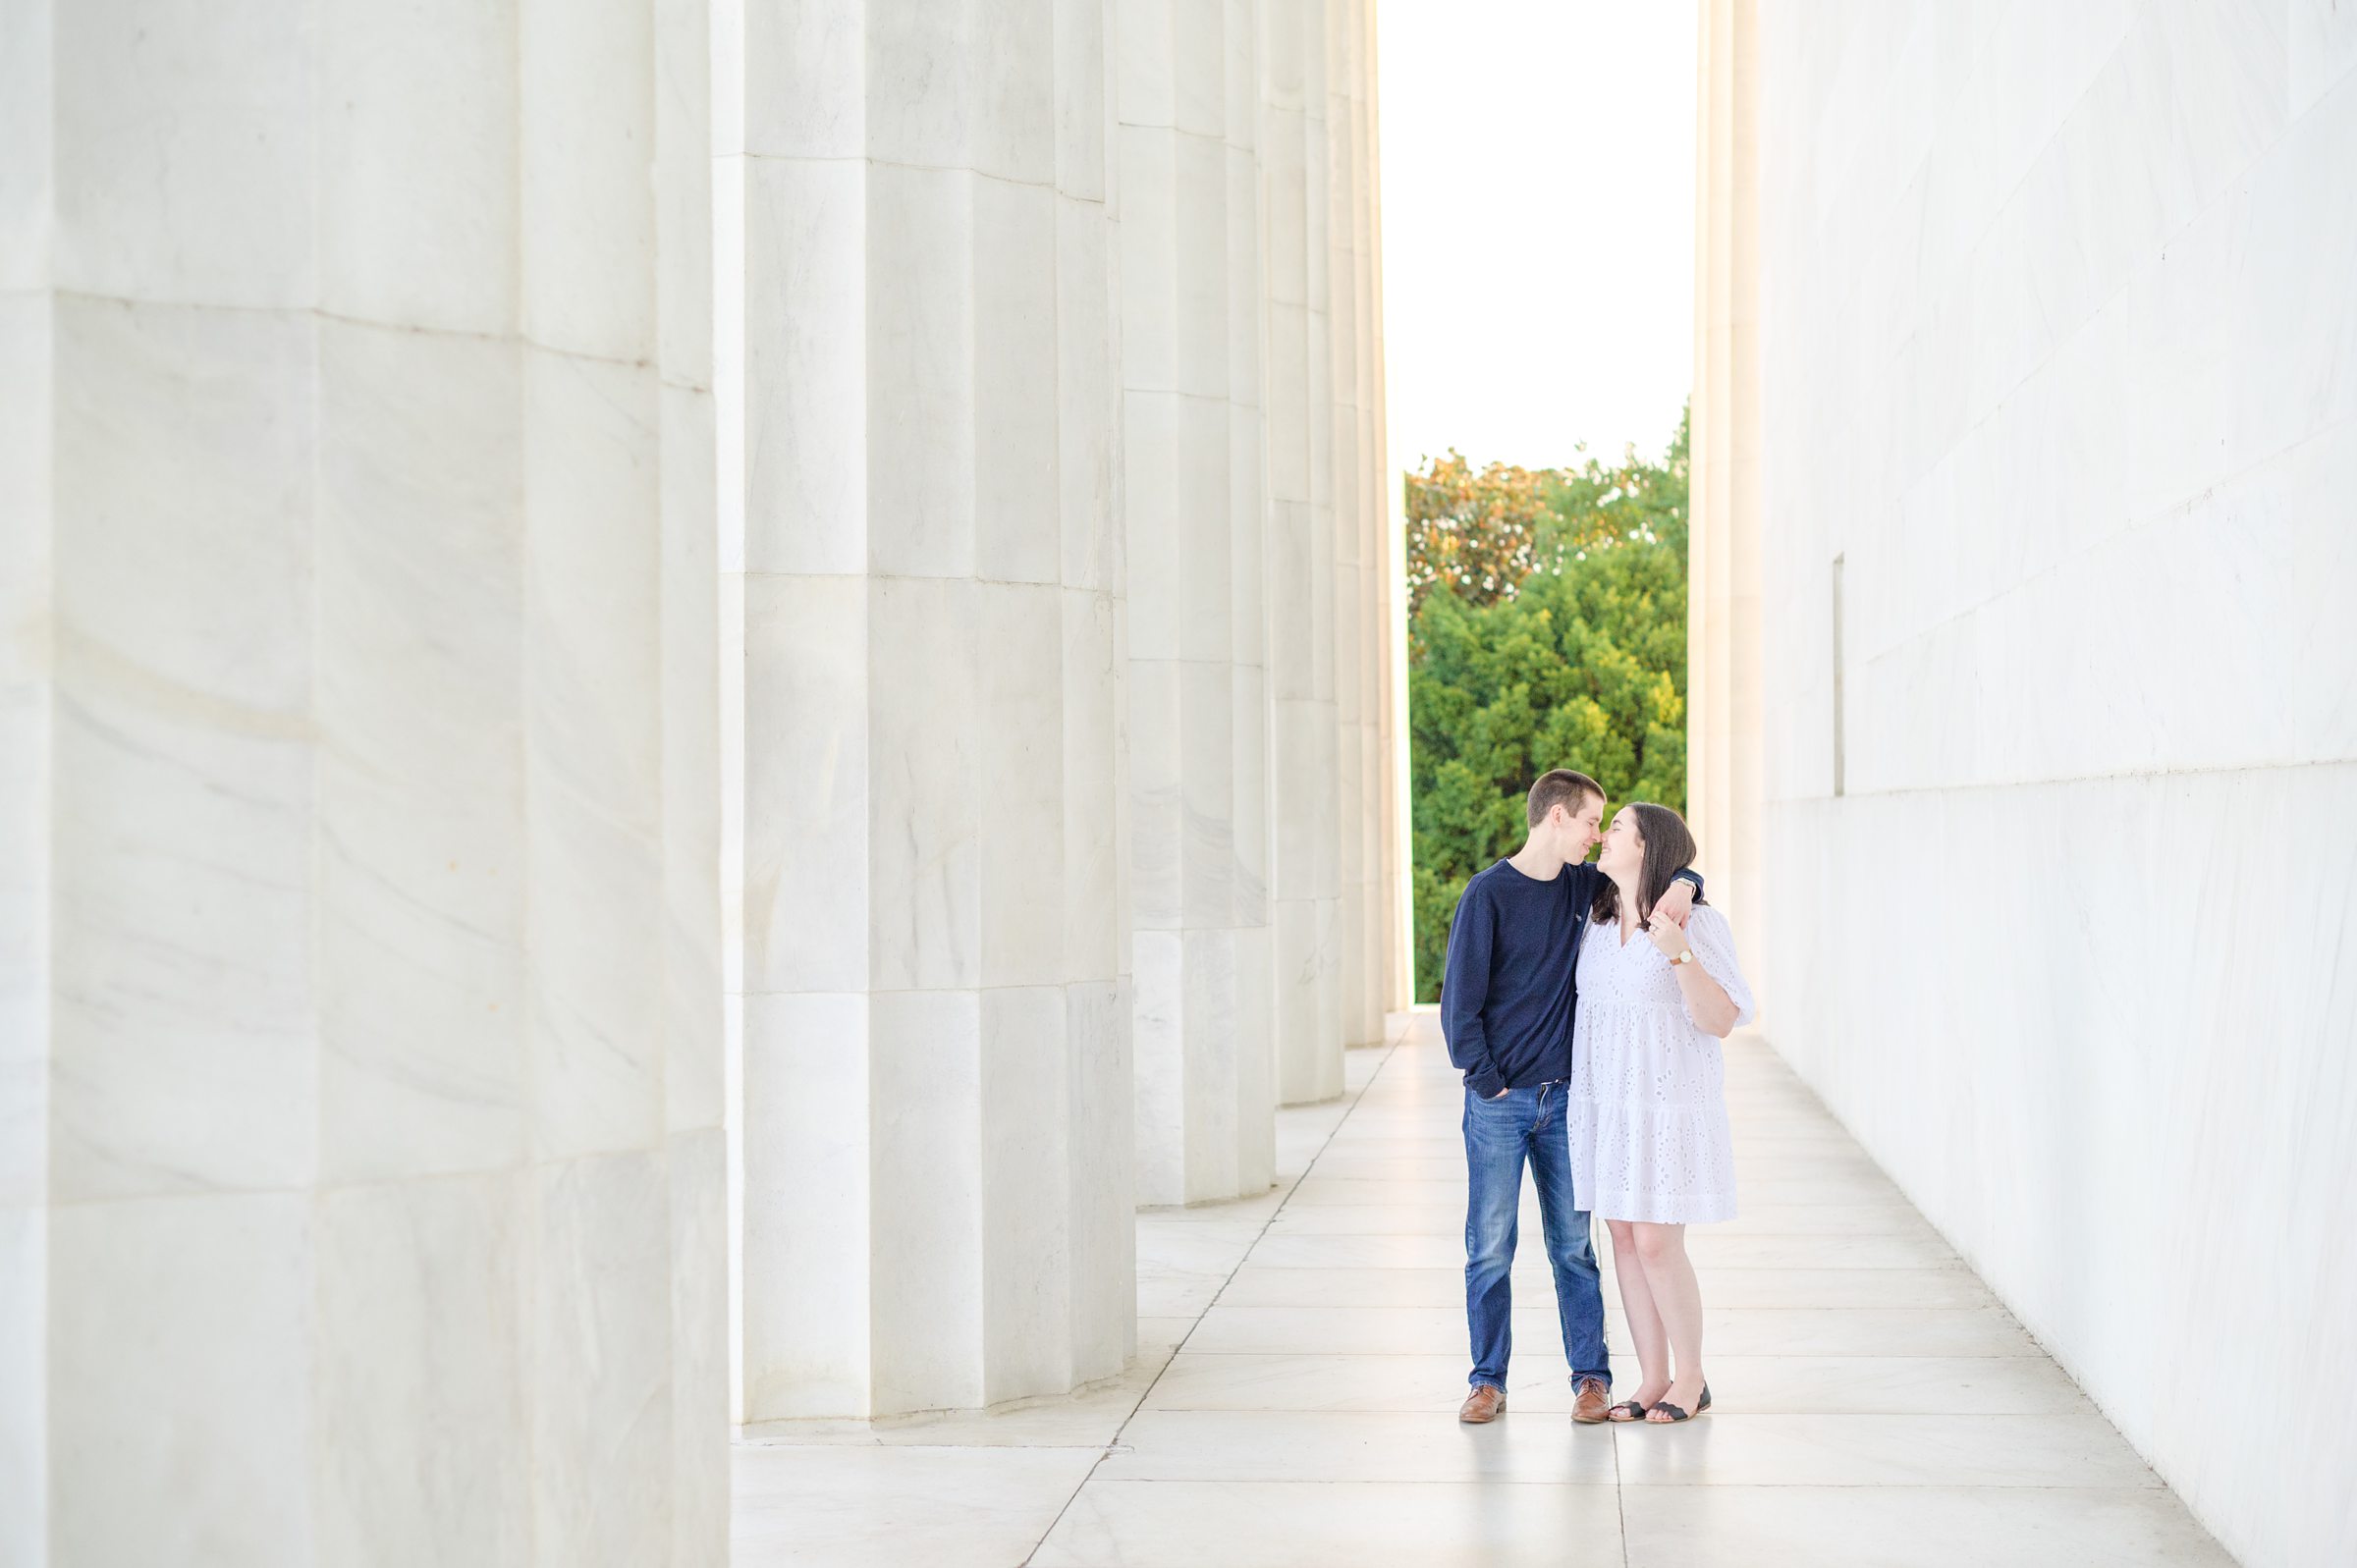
x=1506, y=1006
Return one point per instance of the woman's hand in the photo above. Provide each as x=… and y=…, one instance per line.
x=1709, y=1006
x=1665, y=934
x=1677, y=900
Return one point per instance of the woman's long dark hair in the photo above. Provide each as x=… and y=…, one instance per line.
x=1669, y=850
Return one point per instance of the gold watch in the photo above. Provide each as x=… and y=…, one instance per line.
x=1684, y=957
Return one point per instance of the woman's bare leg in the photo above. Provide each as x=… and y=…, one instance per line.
x=1677, y=1297
x=1645, y=1328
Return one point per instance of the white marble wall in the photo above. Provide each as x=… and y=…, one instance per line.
x=362, y=1186
x=2058, y=341
x=936, y=1060
x=1188, y=91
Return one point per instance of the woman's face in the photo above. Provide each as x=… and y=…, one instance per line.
x=1623, y=853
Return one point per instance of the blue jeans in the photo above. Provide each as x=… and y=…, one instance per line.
x=1499, y=1134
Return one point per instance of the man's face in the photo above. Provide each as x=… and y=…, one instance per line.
x=1581, y=829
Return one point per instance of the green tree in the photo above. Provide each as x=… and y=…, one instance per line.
x=1581, y=663
x=1478, y=533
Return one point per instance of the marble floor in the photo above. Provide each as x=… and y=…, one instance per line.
x=1302, y=1355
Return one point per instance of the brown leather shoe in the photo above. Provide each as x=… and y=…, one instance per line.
x=1484, y=1403
x=1594, y=1401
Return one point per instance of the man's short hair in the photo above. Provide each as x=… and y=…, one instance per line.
x=1561, y=787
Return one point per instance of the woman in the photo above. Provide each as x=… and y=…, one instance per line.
x=1650, y=1150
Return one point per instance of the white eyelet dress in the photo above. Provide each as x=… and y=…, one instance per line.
x=1647, y=1107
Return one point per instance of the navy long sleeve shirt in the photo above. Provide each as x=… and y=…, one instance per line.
x=1510, y=985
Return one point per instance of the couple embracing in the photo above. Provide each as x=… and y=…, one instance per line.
x=1585, y=1004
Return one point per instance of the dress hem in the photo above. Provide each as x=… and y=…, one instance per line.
x=1713, y=1210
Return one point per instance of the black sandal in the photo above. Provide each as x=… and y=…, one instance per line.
x=1677, y=1415
x=1636, y=1412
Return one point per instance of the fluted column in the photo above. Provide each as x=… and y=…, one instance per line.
x=1304, y=780
x=1360, y=513
x=936, y=1071
x=362, y=1107
x=1188, y=109
x=1725, y=747
x=1391, y=900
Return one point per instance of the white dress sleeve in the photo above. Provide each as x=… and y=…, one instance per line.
x=1714, y=942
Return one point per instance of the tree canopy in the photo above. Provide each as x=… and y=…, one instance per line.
x=1578, y=660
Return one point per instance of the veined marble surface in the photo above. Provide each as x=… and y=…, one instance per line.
x=362, y=1198
x=2059, y=335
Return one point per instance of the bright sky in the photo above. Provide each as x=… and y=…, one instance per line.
x=1538, y=225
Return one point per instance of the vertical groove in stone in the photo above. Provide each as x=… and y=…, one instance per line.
x=27, y=696
x=689, y=798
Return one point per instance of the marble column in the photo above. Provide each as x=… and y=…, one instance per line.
x=363, y=1170
x=1394, y=914
x=1305, y=776
x=1724, y=757
x=936, y=1012
x=1188, y=100
x=1360, y=512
